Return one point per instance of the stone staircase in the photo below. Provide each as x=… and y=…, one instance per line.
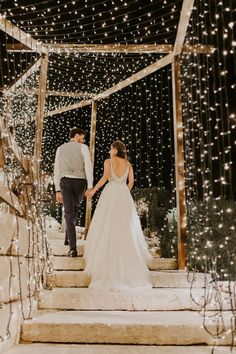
x=74, y=319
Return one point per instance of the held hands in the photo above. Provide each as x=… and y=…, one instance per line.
x=59, y=197
x=90, y=192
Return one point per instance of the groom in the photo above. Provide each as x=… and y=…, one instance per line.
x=72, y=175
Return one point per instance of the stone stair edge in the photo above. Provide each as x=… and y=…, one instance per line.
x=119, y=327
x=40, y=348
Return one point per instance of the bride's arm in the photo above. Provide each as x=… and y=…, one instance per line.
x=130, y=177
x=103, y=180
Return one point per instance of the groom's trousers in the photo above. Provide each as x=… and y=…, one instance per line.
x=72, y=190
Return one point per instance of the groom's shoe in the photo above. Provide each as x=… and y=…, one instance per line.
x=72, y=253
x=66, y=242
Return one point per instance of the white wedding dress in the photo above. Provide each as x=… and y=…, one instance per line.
x=116, y=252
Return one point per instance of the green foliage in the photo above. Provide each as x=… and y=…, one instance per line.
x=168, y=240
x=158, y=204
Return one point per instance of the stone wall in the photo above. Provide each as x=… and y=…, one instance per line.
x=19, y=276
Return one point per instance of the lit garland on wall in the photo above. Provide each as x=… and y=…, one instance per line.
x=208, y=109
x=27, y=271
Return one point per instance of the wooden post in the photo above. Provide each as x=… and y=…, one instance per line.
x=2, y=157
x=179, y=163
x=24, y=38
x=40, y=115
x=92, y=153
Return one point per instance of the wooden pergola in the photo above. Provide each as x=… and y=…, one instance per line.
x=28, y=43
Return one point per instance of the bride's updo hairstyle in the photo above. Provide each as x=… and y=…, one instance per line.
x=121, y=149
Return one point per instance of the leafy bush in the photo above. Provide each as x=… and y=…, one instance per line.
x=153, y=205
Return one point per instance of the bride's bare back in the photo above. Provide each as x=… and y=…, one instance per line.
x=119, y=166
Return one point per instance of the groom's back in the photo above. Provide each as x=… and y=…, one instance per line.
x=71, y=160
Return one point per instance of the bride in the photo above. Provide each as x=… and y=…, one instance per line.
x=116, y=253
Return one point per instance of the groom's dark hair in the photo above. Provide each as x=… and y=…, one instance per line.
x=75, y=131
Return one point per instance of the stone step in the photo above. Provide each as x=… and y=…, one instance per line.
x=78, y=263
x=121, y=327
x=67, y=263
x=153, y=300
x=160, y=279
x=41, y=348
x=59, y=249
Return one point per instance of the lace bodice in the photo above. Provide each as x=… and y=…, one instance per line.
x=120, y=179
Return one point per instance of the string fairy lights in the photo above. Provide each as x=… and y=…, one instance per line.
x=140, y=115
x=209, y=143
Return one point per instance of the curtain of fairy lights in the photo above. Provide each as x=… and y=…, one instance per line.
x=27, y=272
x=97, y=22
x=209, y=120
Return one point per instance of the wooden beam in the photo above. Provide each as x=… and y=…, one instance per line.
x=40, y=115
x=179, y=164
x=69, y=94
x=21, y=36
x=9, y=198
x=183, y=25
x=2, y=157
x=23, y=77
x=138, y=76
x=125, y=48
x=114, y=48
x=17, y=47
x=110, y=48
x=92, y=154
x=198, y=48
x=68, y=108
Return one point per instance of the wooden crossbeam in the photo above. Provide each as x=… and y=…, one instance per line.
x=198, y=48
x=183, y=25
x=24, y=76
x=138, y=76
x=21, y=36
x=17, y=47
x=110, y=48
x=69, y=94
x=69, y=108
x=114, y=48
